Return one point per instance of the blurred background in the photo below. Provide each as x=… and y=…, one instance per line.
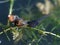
x=31, y=10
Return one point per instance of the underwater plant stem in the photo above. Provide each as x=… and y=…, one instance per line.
x=44, y=32
x=8, y=23
x=10, y=10
x=11, y=6
x=6, y=35
x=34, y=35
x=7, y=30
x=41, y=31
x=52, y=34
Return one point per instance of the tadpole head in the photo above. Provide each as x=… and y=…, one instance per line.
x=11, y=18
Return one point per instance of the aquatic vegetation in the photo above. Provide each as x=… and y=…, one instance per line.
x=47, y=32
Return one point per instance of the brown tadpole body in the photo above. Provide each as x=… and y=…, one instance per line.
x=16, y=20
x=11, y=18
x=20, y=22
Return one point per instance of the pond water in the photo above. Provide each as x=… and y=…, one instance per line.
x=4, y=11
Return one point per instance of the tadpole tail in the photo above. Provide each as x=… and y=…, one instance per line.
x=42, y=18
x=34, y=23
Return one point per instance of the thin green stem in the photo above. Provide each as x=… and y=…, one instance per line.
x=43, y=32
x=11, y=6
x=10, y=10
x=6, y=35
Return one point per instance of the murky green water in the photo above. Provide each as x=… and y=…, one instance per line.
x=18, y=8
